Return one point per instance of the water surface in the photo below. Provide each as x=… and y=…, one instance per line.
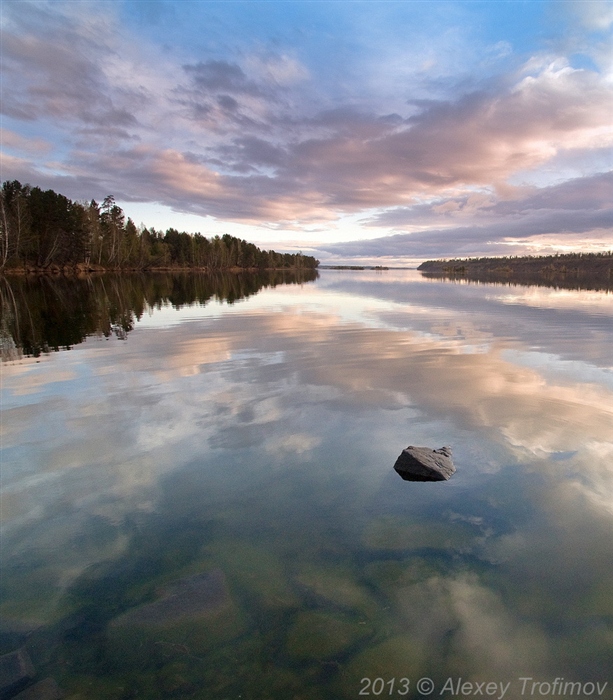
x=236, y=458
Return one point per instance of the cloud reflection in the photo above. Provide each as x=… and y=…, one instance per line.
x=188, y=382
x=286, y=414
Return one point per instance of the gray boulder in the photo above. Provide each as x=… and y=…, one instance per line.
x=424, y=464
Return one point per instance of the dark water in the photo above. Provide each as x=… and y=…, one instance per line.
x=199, y=500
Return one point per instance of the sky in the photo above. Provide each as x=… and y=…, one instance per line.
x=359, y=132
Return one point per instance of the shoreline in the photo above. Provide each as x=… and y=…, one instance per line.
x=572, y=265
x=83, y=269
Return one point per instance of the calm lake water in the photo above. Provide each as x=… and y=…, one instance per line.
x=199, y=498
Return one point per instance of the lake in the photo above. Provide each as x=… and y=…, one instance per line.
x=199, y=501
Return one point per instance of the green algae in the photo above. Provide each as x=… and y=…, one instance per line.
x=335, y=585
x=397, y=657
x=256, y=571
x=324, y=635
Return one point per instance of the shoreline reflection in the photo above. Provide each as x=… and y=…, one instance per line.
x=43, y=314
x=560, y=281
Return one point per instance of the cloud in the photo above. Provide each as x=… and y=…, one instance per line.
x=282, y=70
x=54, y=68
x=253, y=136
x=367, y=162
x=250, y=153
x=594, y=14
x=228, y=98
x=12, y=140
x=220, y=76
x=471, y=240
x=580, y=206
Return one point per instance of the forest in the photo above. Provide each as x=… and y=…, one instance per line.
x=41, y=230
x=570, y=270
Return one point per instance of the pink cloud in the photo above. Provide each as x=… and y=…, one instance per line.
x=12, y=140
x=246, y=139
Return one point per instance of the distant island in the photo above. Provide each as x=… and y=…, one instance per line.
x=588, y=270
x=42, y=231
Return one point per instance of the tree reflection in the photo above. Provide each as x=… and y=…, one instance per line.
x=45, y=314
x=588, y=282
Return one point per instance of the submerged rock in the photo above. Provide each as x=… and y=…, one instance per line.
x=202, y=595
x=425, y=464
x=258, y=570
x=193, y=615
x=16, y=671
x=46, y=689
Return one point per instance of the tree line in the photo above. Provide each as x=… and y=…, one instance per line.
x=560, y=263
x=553, y=259
x=41, y=229
x=568, y=270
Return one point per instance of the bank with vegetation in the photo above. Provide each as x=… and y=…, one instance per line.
x=43, y=231
x=583, y=269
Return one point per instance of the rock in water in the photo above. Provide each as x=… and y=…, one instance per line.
x=202, y=595
x=424, y=464
x=192, y=616
x=16, y=671
x=43, y=690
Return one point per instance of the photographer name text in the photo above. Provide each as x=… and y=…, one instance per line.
x=524, y=686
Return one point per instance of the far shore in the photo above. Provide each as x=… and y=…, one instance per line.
x=567, y=264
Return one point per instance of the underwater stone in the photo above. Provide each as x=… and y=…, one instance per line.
x=46, y=689
x=258, y=570
x=16, y=670
x=425, y=464
x=192, y=615
x=202, y=595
